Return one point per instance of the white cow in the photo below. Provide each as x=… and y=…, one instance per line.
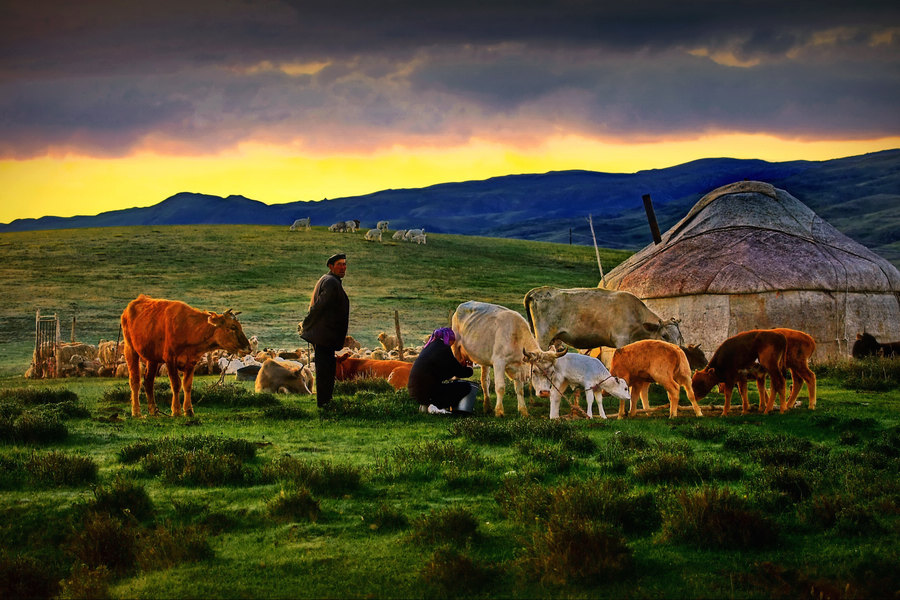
x=338, y=227
x=382, y=225
x=580, y=370
x=495, y=336
x=419, y=239
x=300, y=224
x=400, y=234
x=411, y=233
x=373, y=235
x=352, y=225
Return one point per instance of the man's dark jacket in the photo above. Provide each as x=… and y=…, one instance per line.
x=329, y=314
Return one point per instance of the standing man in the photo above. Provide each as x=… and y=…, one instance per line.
x=325, y=327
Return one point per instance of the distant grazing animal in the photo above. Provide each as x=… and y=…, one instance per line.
x=351, y=225
x=411, y=233
x=356, y=368
x=300, y=224
x=388, y=342
x=400, y=234
x=276, y=378
x=495, y=336
x=254, y=344
x=419, y=239
x=867, y=345
x=653, y=361
x=591, y=317
x=588, y=373
x=338, y=227
x=172, y=333
x=382, y=225
x=737, y=353
x=350, y=342
x=373, y=235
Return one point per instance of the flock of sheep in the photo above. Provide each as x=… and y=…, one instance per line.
x=373, y=235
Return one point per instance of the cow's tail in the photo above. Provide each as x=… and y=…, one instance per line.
x=529, y=301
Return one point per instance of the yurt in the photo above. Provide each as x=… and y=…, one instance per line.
x=749, y=255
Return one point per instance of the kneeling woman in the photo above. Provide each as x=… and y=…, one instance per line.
x=428, y=377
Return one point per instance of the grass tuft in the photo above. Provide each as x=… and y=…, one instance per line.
x=714, y=518
x=322, y=477
x=295, y=505
x=452, y=525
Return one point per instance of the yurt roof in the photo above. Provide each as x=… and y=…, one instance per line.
x=751, y=237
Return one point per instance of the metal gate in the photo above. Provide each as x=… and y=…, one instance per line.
x=45, y=361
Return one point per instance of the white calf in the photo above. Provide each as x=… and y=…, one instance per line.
x=579, y=370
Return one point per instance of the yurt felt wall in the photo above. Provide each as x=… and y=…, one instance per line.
x=747, y=256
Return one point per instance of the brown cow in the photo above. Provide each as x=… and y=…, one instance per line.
x=653, y=361
x=275, y=378
x=172, y=333
x=356, y=368
x=740, y=352
x=800, y=347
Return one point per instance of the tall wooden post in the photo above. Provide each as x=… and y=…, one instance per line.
x=397, y=330
x=651, y=218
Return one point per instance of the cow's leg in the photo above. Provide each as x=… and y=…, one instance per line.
x=729, y=386
x=134, y=379
x=803, y=373
x=149, y=378
x=637, y=391
x=779, y=387
x=499, y=387
x=188, y=385
x=763, y=392
x=742, y=390
x=486, y=388
x=555, y=398
x=175, y=381
x=686, y=383
x=589, y=395
x=645, y=397
x=519, y=386
x=672, y=390
x=621, y=414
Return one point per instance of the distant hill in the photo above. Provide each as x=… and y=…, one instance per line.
x=859, y=195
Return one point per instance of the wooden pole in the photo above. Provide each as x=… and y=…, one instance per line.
x=596, y=250
x=397, y=329
x=651, y=218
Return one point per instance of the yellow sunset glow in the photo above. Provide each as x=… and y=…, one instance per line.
x=76, y=185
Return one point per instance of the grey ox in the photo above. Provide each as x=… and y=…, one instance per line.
x=592, y=317
x=495, y=336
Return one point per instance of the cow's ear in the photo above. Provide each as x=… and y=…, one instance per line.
x=711, y=371
x=652, y=326
x=214, y=319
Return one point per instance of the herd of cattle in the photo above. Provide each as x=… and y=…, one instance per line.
x=372, y=235
x=624, y=348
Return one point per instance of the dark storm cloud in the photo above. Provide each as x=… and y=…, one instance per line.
x=109, y=74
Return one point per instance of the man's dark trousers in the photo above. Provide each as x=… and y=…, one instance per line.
x=326, y=365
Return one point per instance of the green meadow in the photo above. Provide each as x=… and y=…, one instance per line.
x=267, y=496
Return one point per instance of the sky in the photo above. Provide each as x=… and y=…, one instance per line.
x=110, y=104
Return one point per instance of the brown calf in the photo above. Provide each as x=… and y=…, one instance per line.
x=737, y=353
x=356, y=368
x=653, y=361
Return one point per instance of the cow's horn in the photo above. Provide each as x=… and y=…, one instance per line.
x=560, y=353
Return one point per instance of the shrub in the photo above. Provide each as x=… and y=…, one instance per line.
x=872, y=373
x=426, y=460
x=552, y=458
x=322, y=477
x=452, y=525
x=660, y=466
x=789, y=481
x=232, y=395
x=25, y=577
x=104, y=541
x=241, y=449
x=369, y=400
x=164, y=547
x=451, y=573
x=702, y=431
x=295, y=505
x=122, y=498
x=384, y=519
x=33, y=396
x=33, y=427
x=198, y=460
x=61, y=469
x=713, y=518
x=576, y=551
x=508, y=431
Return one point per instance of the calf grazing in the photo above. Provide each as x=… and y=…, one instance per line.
x=373, y=235
x=172, y=333
x=867, y=345
x=653, y=361
x=740, y=352
x=300, y=224
x=588, y=373
x=275, y=378
x=800, y=347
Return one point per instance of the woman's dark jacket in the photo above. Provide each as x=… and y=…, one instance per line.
x=434, y=365
x=329, y=314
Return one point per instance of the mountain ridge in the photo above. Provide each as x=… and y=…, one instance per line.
x=854, y=193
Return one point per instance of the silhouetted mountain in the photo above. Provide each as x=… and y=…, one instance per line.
x=858, y=195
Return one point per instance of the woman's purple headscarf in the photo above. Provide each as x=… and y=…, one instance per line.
x=445, y=334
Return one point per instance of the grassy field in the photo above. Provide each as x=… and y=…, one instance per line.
x=264, y=496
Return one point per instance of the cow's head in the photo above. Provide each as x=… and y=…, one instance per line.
x=703, y=381
x=542, y=364
x=228, y=332
x=616, y=387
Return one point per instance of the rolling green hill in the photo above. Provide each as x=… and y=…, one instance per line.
x=268, y=273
